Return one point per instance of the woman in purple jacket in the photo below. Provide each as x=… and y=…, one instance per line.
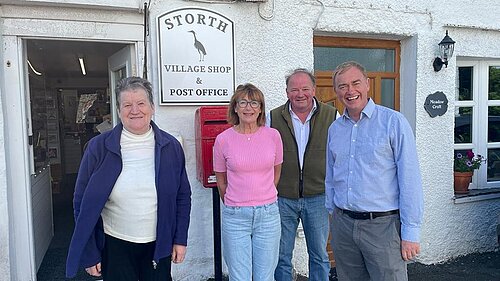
x=132, y=197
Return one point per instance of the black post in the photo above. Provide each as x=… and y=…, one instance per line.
x=146, y=33
x=217, y=235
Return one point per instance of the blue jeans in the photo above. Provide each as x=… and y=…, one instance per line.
x=314, y=216
x=250, y=237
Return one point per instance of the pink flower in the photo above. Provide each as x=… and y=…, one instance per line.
x=470, y=154
x=467, y=162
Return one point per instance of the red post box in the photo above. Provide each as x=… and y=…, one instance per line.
x=209, y=122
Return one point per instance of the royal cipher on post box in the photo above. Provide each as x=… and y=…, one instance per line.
x=209, y=122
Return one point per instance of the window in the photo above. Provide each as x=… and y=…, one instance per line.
x=477, y=117
x=379, y=57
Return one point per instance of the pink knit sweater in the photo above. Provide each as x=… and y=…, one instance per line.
x=248, y=160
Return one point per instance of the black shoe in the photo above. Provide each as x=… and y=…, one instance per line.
x=333, y=274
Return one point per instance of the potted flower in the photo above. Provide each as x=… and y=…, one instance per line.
x=464, y=166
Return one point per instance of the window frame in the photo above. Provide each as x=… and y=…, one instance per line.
x=479, y=103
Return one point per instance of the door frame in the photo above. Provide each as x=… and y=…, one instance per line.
x=17, y=156
x=18, y=153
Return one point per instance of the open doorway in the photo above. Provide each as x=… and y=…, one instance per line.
x=70, y=102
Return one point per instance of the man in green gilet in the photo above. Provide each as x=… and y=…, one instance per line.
x=303, y=123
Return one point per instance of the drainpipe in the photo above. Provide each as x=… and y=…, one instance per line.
x=146, y=34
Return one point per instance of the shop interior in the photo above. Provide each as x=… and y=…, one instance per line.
x=69, y=101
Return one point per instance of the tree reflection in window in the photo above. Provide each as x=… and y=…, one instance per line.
x=463, y=127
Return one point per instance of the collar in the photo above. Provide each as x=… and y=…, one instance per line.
x=112, y=141
x=367, y=111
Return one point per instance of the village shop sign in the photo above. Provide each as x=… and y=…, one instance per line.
x=196, y=57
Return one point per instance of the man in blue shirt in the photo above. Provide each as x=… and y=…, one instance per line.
x=373, y=184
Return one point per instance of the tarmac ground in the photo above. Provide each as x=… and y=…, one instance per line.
x=473, y=267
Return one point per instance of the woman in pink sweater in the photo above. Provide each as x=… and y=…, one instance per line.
x=247, y=164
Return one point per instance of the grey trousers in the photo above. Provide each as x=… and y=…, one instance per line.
x=367, y=249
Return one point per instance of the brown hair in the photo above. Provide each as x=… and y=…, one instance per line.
x=253, y=93
x=343, y=67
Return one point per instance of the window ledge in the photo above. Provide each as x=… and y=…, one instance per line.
x=477, y=195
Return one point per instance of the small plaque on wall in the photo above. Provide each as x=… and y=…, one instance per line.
x=436, y=104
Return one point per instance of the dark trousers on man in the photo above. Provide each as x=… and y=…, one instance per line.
x=367, y=249
x=128, y=261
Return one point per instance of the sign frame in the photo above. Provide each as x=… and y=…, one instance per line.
x=185, y=78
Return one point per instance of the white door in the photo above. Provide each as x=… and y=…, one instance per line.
x=42, y=223
x=120, y=65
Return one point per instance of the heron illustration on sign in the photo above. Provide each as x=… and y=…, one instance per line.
x=199, y=47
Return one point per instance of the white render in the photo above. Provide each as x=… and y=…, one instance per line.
x=265, y=51
x=4, y=214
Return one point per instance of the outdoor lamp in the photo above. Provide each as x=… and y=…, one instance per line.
x=446, y=47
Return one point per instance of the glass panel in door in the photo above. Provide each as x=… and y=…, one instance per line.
x=374, y=60
x=387, y=94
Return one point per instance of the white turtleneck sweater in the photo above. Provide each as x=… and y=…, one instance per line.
x=130, y=212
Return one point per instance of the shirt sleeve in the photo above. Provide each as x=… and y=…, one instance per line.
x=409, y=180
x=219, y=159
x=329, y=192
x=268, y=119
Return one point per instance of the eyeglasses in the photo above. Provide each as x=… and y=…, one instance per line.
x=244, y=103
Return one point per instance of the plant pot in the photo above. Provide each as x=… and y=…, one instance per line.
x=461, y=183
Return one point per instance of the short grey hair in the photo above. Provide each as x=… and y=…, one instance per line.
x=343, y=67
x=133, y=83
x=301, y=70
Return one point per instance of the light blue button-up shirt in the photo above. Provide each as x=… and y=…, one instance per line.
x=372, y=166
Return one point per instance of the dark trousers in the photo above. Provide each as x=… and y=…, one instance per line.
x=127, y=261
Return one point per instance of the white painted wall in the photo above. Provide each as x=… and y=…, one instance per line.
x=100, y=4
x=4, y=214
x=267, y=50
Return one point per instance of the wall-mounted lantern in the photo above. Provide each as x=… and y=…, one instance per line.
x=446, y=47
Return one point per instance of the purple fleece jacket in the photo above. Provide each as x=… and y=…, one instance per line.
x=100, y=167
